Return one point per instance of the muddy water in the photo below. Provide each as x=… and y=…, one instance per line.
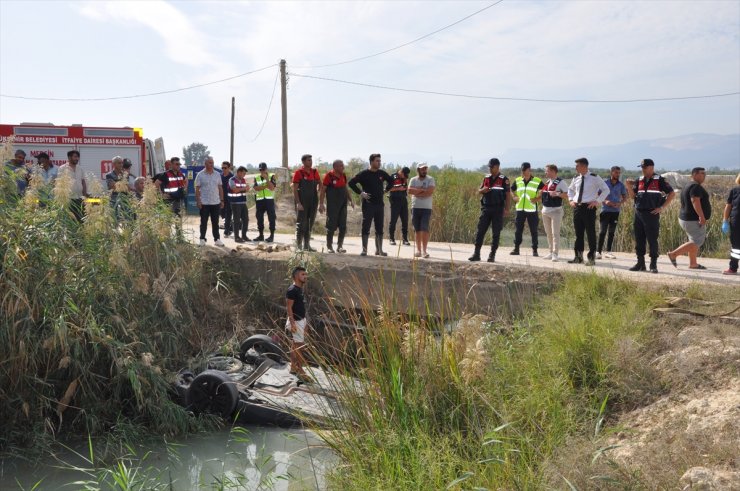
x=247, y=458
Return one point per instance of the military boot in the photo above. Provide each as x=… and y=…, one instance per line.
x=379, y=246
x=365, y=239
x=476, y=255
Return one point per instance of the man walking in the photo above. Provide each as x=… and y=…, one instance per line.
x=226, y=176
x=526, y=194
x=237, y=195
x=695, y=212
x=586, y=192
x=79, y=184
x=209, y=196
x=264, y=186
x=610, y=209
x=495, y=202
x=652, y=194
x=372, y=181
x=296, y=322
x=421, y=189
x=306, y=184
x=336, y=192
x=552, y=209
x=399, y=205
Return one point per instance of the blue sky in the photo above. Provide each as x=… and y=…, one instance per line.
x=554, y=50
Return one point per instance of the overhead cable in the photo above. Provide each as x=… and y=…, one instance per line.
x=135, y=96
x=269, y=106
x=345, y=62
x=519, y=99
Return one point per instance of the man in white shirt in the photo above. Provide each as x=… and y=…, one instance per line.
x=209, y=196
x=586, y=193
x=79, y=184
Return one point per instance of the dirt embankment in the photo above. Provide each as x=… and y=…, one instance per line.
x=686, y=435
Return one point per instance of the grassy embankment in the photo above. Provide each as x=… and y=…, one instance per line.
x=487, y=405
x=95, y=318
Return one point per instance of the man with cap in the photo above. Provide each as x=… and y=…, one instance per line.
x=399, y=205
x=306, y=184
x=226, y=176
x=652, y=194
x=586, y=193
x=264, y=187
x=237, y=197
x=370, y=185
x=526, y=192
x=337, y=196
x=173, y=185
x=495, y=202
x=421, y=189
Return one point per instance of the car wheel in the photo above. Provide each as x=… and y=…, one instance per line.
x=213, y=392
x=264, y=346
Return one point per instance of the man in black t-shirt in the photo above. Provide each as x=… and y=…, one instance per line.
x=373, y=182
x=296, y=322
x=695, y=211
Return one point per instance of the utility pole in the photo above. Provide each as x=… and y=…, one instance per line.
x=231, y=152
x=284, y=105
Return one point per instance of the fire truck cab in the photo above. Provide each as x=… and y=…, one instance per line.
x=97, y=146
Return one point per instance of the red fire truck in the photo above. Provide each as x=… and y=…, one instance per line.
x=97, y=146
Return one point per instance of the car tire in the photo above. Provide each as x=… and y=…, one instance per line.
x=265, y=348
x=213, y=392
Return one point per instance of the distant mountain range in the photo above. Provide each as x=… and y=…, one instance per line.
x=675, y=153
x=679, y=152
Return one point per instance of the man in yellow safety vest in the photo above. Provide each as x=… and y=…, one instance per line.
x=526, y=192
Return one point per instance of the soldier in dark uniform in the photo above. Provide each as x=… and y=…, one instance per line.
x=397, y=192
x=495, y=202
x=337, y=195
x=306, y=184
x=652, y=194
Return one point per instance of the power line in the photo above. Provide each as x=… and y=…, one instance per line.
x=269, y=106
x=404, y=44
x=519, y=99
x=90, y=99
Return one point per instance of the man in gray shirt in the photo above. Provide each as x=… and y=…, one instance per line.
x=209, y=195
x=421, y=188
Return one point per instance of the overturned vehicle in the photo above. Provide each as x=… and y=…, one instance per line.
x=259, y=388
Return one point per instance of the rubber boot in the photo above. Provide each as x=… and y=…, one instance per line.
x=379, y=246
x=476, y=255
x=299, y=240
x=271, y=237
x=654, y=265
x=307, y=243
x=365, y=239
x=340, y=243
x=640, y=266
x=329, y=241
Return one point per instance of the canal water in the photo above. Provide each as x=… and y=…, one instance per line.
x=249, y=458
